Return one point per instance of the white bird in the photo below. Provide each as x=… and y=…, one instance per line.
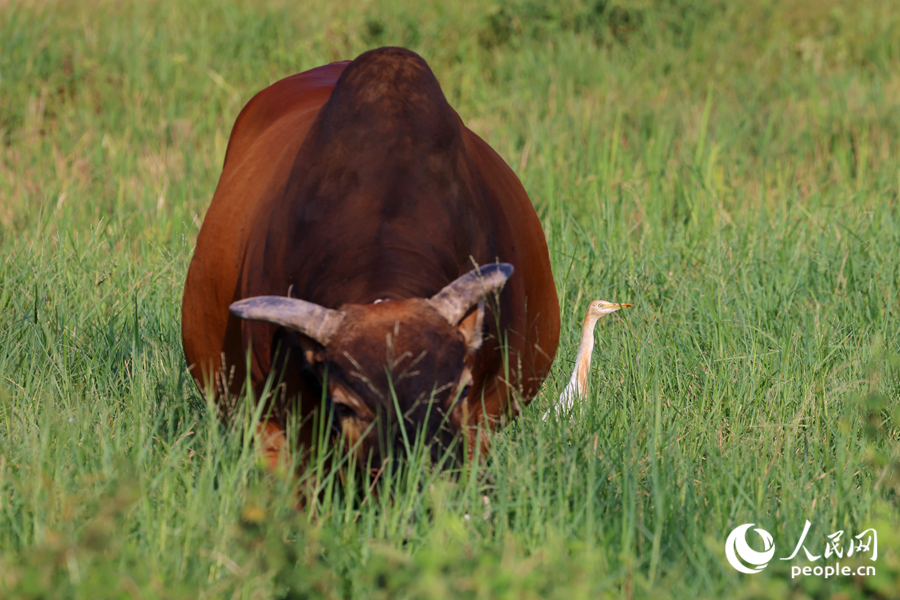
x=577, y=387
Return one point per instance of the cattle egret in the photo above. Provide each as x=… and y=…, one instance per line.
x=577, y=387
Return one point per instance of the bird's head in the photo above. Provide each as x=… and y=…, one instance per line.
x=598, y=308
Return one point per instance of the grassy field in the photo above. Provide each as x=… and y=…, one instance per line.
x=731, y=168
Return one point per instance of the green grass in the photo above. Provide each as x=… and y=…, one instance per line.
x=733, y=169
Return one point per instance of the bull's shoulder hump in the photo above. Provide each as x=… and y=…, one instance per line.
x=298, y=93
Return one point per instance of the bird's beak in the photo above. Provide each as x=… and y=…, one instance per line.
x=614, y=306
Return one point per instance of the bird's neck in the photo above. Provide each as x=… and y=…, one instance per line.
x=585, y=349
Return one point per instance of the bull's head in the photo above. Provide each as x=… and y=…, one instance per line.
x=394, y=370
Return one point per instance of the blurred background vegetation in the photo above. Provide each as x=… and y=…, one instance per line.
x=732, y=168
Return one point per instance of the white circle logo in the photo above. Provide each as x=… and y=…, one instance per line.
x=736, y=546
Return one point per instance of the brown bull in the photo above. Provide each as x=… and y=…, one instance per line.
x=343, y=236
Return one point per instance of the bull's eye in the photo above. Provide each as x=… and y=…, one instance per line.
x=342, y=411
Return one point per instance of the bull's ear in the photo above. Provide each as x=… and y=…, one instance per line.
x=472, y=328
x=312, y=320
x=457, y=298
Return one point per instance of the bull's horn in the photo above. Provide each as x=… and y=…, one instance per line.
x=456, y=299
x=307, y=318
